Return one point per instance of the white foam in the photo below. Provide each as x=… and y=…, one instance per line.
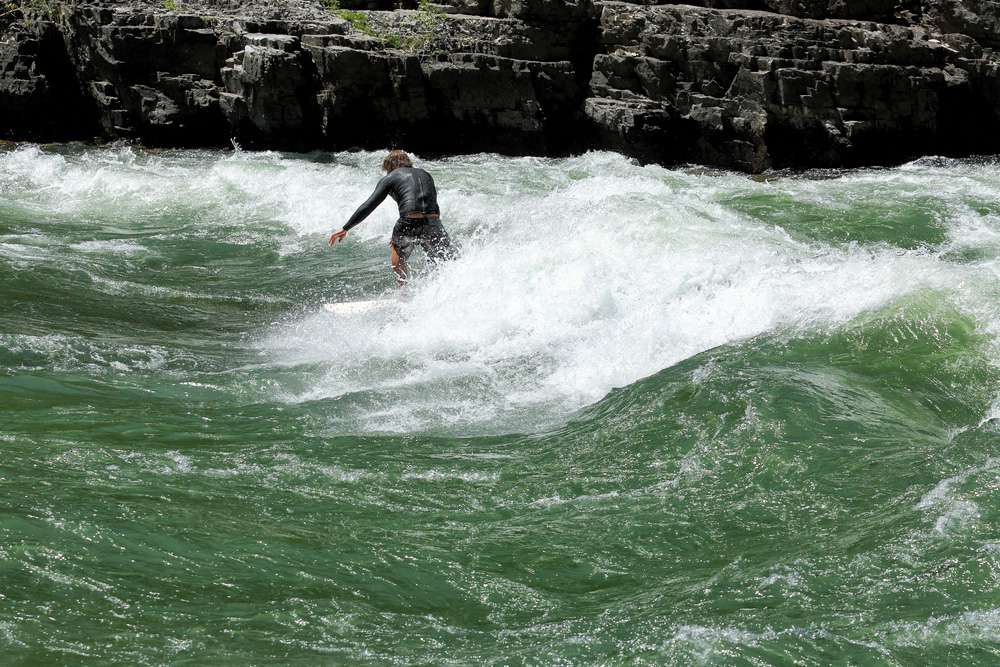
x=111, y=246
x=704, y=644
x=969, y=627
x=582, y=275
x=783, y=576
x=447, y=476
x=577, y=275
x=556, y=500
x=955, y=511
x=62, y=352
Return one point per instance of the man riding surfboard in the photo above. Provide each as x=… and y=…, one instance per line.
x=419, y=221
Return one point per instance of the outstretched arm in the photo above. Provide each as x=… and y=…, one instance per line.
x=381, y=192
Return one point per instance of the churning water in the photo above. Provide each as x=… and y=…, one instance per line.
x=648, y=416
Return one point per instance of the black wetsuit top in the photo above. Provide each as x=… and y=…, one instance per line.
x=411, y=187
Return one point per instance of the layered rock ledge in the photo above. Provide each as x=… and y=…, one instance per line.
x=742, y=84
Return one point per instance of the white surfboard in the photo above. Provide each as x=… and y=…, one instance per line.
x=357, y=307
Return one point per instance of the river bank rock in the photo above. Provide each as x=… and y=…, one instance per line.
x=755, y=90
x=742, y=84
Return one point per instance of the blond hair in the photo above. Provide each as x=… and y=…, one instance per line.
x=396, y=159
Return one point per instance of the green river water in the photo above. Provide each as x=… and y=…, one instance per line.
x=649, y=416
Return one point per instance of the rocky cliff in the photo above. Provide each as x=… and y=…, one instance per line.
x=742, y=84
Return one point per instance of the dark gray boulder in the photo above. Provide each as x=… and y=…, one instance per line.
x=836, y=9
x=268, y=98
x=758, y=90
x=371, y=97
x=40, y=94
x=977, y=19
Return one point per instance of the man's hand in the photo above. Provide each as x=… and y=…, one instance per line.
x=336, y=237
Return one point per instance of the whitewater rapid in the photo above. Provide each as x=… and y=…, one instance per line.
x=599, y=273
x=576, y=275
x=669, y=416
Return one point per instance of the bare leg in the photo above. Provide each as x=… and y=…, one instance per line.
x=398, y=266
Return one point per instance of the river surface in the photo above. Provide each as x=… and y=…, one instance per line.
x=649, y=416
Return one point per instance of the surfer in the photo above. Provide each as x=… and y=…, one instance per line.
x=419, y=216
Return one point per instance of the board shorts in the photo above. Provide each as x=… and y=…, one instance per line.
x=428, y=234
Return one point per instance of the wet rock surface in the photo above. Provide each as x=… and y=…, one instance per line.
x=742, y=84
